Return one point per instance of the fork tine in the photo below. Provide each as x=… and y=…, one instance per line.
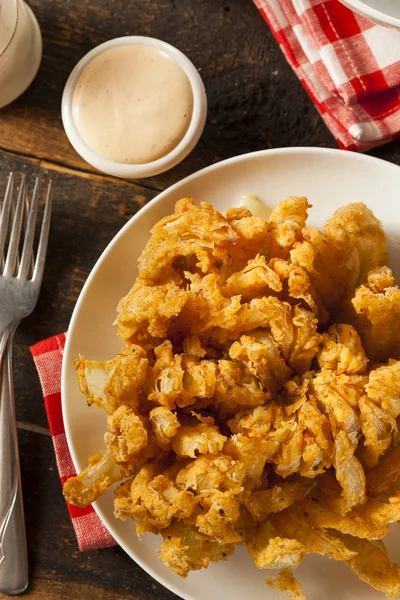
x=15, y=231
x=29, y=234
x=44, y=238
x=5, y=214
x=25, y=225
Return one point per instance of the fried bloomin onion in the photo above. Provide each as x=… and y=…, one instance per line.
x=241, y=410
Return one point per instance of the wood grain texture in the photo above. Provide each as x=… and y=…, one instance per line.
x=88, y=210
x=255, y=102
x=57, y=568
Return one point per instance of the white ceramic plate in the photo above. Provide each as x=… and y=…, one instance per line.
x=329, y=178
x=383, y=12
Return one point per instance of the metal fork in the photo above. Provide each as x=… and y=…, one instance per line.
x=20, y=282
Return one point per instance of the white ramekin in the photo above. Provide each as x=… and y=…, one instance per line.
x=134, y=171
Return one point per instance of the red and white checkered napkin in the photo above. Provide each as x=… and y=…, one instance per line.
x=90, y=531
x=349, y=67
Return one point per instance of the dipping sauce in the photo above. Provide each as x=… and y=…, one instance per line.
x=132, y=104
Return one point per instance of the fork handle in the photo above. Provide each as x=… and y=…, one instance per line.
x=13, y=551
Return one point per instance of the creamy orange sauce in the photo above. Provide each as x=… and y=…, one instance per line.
x=132, y=104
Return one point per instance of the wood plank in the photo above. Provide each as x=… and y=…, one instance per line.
x=42, y=588
x=58, y=569
x=88, y=211
x=255, y=101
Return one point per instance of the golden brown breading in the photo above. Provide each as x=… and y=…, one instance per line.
x=212, y=472
x=237, y=387
x=270, y=551
x=384, y=475
x=299, y=442
x=291, y=524
x=298, y=284
x=165, y=383
x=287, y=582
x=358, y=522
x=332, y=266
x=380, y=431
x=126, y=435
x=349, y=473
x=199, y=231
x=263, y=358
x=357, y=223
x=253, y=280
x=201, y=439
x=376, y=315
x=253, y=453
x=220, y=511
x=383, y=387
x=154, y=499
x=93, y=481
x=287, y=221
x=265, y=502
x=338, y=397
x=114, y=382
x=150, y=309
x=165, y=424
x=183, y=551
x=341, y=351
x=240, y=408
x=372, y=565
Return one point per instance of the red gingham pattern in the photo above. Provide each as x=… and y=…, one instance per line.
x=349, y=67
x=90, y=531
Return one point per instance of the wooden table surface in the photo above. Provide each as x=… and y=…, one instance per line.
x=255, y=102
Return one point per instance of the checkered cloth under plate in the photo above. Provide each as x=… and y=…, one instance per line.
x=349, y=67
x=90, y=531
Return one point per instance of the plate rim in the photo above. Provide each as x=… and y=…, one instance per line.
x=311, y=150
x=372, y=14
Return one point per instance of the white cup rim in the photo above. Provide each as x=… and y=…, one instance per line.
x=7, y=42
x=177, y=154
